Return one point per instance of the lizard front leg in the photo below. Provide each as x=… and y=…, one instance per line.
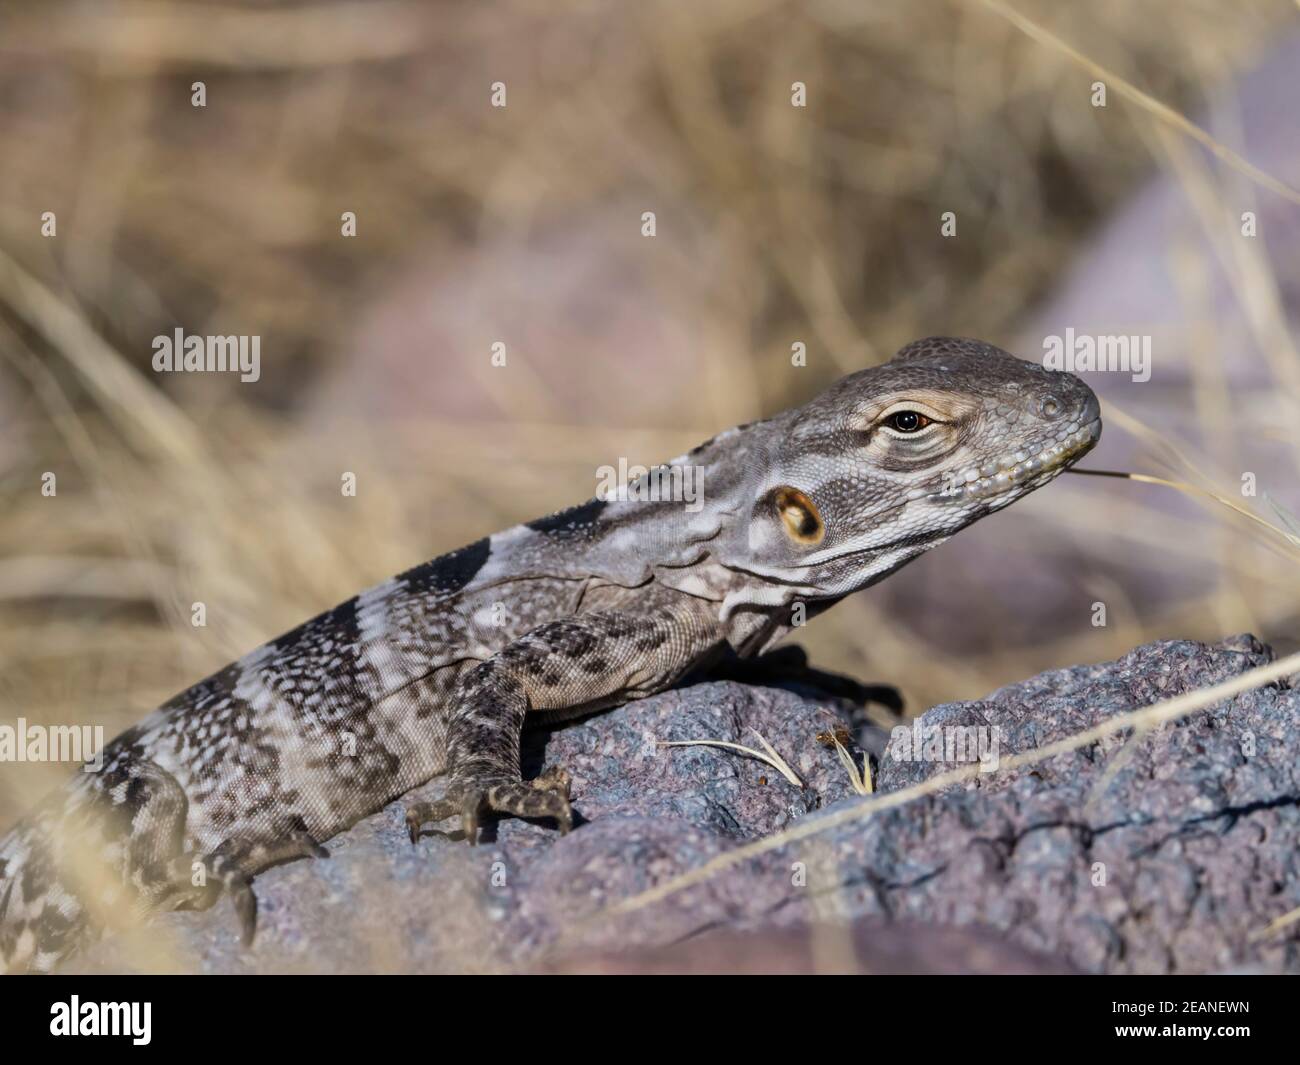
x=568, y=666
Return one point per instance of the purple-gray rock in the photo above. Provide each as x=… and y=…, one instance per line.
x=1168, y=858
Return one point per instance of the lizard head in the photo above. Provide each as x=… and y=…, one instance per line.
x=893, y=460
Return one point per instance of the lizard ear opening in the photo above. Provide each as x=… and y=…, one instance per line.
x=799, y=515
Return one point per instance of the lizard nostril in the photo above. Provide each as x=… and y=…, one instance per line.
x=1050, y=407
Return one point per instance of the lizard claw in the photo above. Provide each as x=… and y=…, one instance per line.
x=421, y=813
x=546, y=796
x=310, y=848
x=241, y=894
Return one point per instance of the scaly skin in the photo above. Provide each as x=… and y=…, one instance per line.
x=436, y=670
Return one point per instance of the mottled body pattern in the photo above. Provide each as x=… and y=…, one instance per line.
x=434, y=671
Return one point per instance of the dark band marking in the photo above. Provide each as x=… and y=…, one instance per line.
x=718, y=436
x=36, y=879
x=580, y=522
x=219, y=685
x=448, y=573
x=54, y=929
x=339, y=623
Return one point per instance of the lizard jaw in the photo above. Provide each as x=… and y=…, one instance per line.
x=1020, y=471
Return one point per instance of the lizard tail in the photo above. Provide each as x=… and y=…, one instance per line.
x=42, y=918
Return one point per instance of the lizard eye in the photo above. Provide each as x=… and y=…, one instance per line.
x=907, y=421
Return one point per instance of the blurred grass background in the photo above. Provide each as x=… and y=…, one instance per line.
x=775, y=224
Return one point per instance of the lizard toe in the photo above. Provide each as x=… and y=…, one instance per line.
x=422, y=813
x=528, y=800
x=245, y=903
x=553, y=778
x=469, y=809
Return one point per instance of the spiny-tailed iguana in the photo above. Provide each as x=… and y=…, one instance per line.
x=436, y=670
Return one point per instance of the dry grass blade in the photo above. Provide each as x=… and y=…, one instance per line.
x=1192, y=489
x=1148, y=103
x=861, y=780
x=1145, y=718
x=1113, y=767
x=144, y=414
x=1276, y=925
x=312, y=36
x=777, y=760
x=1284, y=516
x=768, y=755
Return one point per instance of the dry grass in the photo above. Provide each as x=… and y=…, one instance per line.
x=775, y=223
x=768, y=755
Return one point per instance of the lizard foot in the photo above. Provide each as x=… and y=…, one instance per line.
x=239, y=886
x=420, y=814
x=553, y=778
x=227, y=865
x=546, y=796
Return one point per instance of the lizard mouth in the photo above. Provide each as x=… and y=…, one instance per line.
x=1023, y=470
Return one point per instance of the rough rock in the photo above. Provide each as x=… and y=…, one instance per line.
x=1168, y=857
